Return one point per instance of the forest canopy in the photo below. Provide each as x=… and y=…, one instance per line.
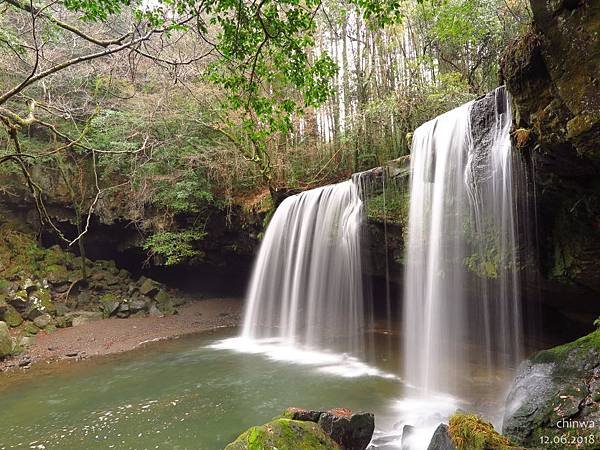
x=186, y=106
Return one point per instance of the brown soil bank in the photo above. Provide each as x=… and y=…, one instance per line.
x=104, y=337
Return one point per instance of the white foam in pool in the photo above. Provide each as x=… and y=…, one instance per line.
x=425, y=414
x=340, y=364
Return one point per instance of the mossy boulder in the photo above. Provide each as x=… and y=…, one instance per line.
x=3, y=304
x=56, y=256
x=12, y=317
x=555, y=398
x=44, y=299
x=282, y=434
x=29, y=329
x=6, y=345
x=40, y=302
x=149, y=287
x=552, y=73
x=164, y=302
x=57, y=274
x=77, y=318
x=470, y=432
x=19, y=300
x=109, y=303
x=353, y=431
x=63, y=322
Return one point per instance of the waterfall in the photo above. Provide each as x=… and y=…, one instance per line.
x=461, y=294
x=306, y=288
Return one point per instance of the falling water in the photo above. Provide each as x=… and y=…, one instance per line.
x=462, y=289
x=306, y=289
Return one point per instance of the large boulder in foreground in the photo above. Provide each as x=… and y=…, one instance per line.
x=282, y=434
x=352, y=431
x=554, y=401
x=302, y=429
x=468, y=432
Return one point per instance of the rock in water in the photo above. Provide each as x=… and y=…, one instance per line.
x=441, y=439
x=282, y=434
x=5, y=341
x=555, y=398
x=407, y=432
x=352, y=431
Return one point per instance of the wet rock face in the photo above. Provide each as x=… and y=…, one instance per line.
x=483, y=126
x=553, y=74
x=441, y=439
x=555, y=398
x=351, y=431
x=570, y=29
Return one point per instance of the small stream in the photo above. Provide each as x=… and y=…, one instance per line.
x=188, y=394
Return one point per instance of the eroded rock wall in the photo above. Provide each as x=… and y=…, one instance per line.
x=553, y=74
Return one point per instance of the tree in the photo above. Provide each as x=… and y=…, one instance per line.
x=257, y=52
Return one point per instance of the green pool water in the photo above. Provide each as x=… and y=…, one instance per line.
x=175, y=395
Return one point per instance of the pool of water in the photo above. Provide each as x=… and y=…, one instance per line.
x=200, y=392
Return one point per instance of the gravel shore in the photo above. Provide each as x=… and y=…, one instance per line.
x=104, y=337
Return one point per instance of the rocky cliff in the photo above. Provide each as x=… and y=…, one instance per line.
x=552, y=73
x=554, y=401
x=119, y=229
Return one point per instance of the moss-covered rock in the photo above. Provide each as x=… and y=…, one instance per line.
x=43, y=298
x=149, y=287
x=63, y=322
x=29, y=329
x=350, y=430
x=57, y=274
x=109, y=303
x=353, y=431
x=282, y=434
x=21, y=295
x=42, y=288
x=6, y=345
x=555, y=398
x=470, y=432
x=40, y=302
x=552, y=74
x=12, y=317
x=164, y=302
